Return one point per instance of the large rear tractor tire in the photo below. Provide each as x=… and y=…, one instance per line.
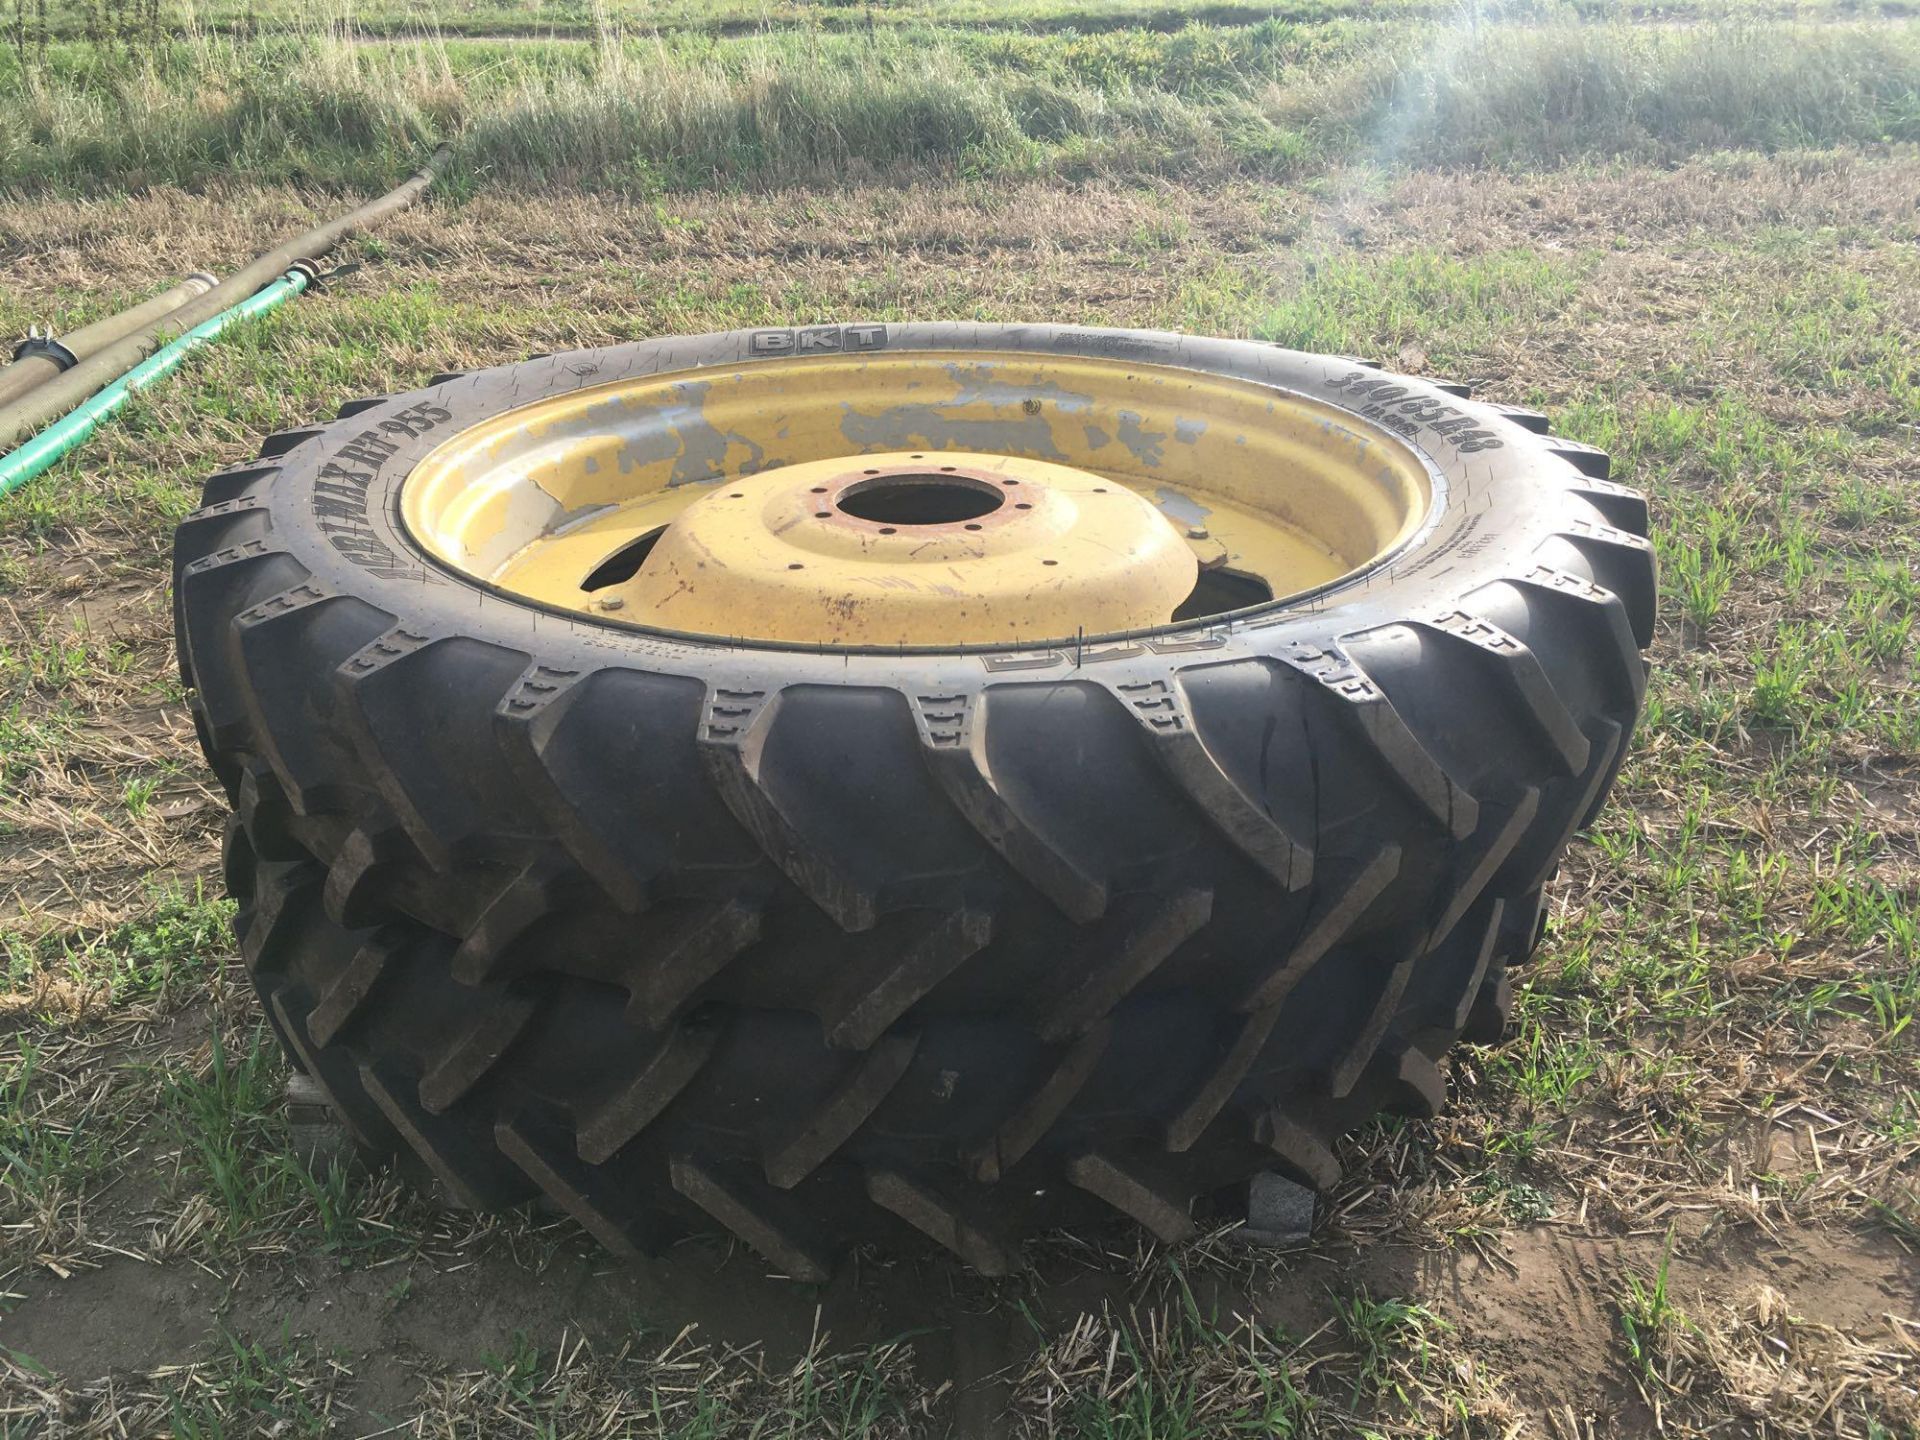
x=872, y=783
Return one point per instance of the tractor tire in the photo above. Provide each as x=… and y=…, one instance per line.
x=827, y=946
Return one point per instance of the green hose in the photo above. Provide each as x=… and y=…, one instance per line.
x=67, y=434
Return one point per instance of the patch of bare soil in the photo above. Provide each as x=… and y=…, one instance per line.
x=1538, y=1308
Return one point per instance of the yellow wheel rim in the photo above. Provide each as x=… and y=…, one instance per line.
x=915, y=499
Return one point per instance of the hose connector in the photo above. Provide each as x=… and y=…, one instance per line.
x=43, y=346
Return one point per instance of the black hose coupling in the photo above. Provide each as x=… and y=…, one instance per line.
x=41, y=345
x=318, y=279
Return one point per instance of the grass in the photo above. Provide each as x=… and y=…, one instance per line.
x=220, y=1116
x=1279, y=98
x=244, y=1387
x=1447, y=306
x=1648, y=1320
x=151, y=958
x=1529, y=98
x=139, y=23
x=237, y=1168
x=680, y=1389
x=47, y=1160
x=250, y=1388
x=1170, y=1369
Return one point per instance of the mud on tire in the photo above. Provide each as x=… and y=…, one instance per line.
x=822, y=948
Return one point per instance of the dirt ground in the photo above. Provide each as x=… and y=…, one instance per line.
x=1679, y=1200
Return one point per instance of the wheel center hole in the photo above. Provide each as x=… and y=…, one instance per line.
x=921, y=499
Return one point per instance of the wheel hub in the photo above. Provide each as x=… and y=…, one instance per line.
x=902, y=548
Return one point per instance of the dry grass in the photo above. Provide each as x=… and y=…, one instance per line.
x=648, y=114
x=1756, y=1360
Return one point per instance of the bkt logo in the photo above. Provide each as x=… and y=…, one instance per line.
x=819, y=340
